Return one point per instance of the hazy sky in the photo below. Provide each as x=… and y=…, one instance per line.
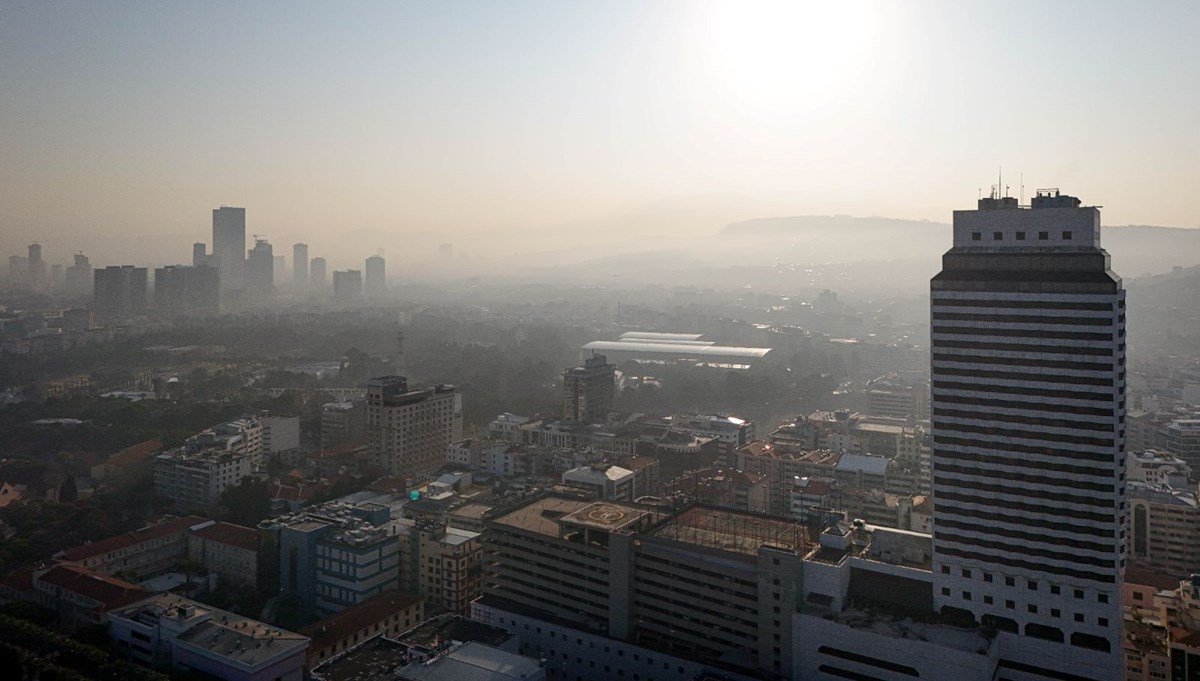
x=124, y=120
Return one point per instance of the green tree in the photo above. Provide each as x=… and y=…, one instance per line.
x=247, y=502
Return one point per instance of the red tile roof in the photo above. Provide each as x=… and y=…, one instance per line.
x=110, y=592
x=356, y=618
x=135, y=453
x=228, y=533
x=121, y=541
x=1157, y=580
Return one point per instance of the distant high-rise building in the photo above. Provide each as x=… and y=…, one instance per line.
x=588, y=390
x=376, y=284
x=408, y=430
x=446, y=251
x=79, y=275
x=199, y=255
x=316, y=273
x=18, y=267
x=347, y=285
x=1028, y=372
x=300, y=264
x=229, y=246
x=260, y=269
x=181, y=291
x=119, y=293
x=280, y=269
x=36, y=267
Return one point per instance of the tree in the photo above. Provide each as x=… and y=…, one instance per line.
x=247, y=502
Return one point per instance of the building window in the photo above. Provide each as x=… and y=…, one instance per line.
x=1055, y=612
x=997, y=236
x=1009, y=581
x=1032, y=585
x=1033, y=608
x=1103, y=598
x=1043, y=236
x=976, y=236
x=1102, y=621
x=1078, y=617
x=1067, y=235
x=987, y=577
x=1055, y=589
x=1079, y=593
x=945, y=591
x=1011, y=605
x=966, y=573
x=987, y=600
x=945, y=569
x=1020, y=236
x=966, y=595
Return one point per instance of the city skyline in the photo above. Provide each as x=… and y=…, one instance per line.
x=662, y=118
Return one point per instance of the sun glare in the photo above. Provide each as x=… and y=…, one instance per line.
x=777, y=54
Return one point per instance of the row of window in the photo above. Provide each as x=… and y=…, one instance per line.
x=1067, y=235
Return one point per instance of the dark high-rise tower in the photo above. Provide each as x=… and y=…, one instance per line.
x=376, y=279
x=1028, y=368
x=229, y=246
x=300, y=264
x=119, y=293
x=260, y=270
x=588, y=390
x=316, y=273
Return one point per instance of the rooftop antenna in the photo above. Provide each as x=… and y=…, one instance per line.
x=1000, y=183
x=1022, y=180
x=980, y=190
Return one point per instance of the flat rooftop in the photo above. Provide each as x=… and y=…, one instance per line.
x=608, y=516
x=376, y=660
x=735, y=531
x=542, y=515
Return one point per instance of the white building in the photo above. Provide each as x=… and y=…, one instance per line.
x=606, y=482
x=1159, y=468
x=1028, y=372
x=195, y=480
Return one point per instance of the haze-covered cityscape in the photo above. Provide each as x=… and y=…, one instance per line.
x=690, y=341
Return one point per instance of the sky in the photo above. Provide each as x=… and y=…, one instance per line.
x=122, y=124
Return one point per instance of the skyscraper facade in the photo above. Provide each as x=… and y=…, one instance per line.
x=181, y=291
x=260, y=270
x=229, y=246
x=119, y=293
x=588, y=390
x=1028, y=373
x=408, y=430
x=317, y=273
x=376, y=283
x=300, y=264
x=347, y=285
x=199, y=255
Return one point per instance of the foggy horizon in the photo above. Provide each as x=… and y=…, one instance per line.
x=537, y=127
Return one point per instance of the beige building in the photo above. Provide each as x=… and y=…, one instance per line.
x=139, y=554
x=408, y=431
x=1164, y=529
x=228, y=550
x=441, y=563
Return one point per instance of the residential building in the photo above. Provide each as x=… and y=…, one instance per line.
x=139, y=554
x=1164, y=528
x=260, y=270
x=173, y=631
x=388, y=614
x=1181, y=438
x=119, y=293
x=375, y=284
x=588, y=390
x=199, y=254
x=722, y=487
x=441, y=563
x=342, y=422
x=79, y=276
x=813, y=501
x=347, y=286
x=229, y=246
x=1159, y=469
x=408, y=430
x=317, y=276
x=300, y=264
x=1028, y=372
x=194, y=480
x=181, y=291
x=226, y=550
x=892, y=398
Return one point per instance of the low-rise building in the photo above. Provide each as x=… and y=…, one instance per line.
x=441, y=563
x=1158, y=468
x=194, y=480
x=605, y=481
x=81, y=597
x=169, y=630
x=150, y=551
x=1164, y=528
x=227, y=550
x=388, y=615
x=722, y=487
x=474, y=661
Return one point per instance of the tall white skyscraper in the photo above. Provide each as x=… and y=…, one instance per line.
x=1028, y=369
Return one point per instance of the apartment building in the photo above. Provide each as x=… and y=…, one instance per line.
x=408, y=430
x=194, y=480
x=226, y=550
x=443, y=564
x=139, y=554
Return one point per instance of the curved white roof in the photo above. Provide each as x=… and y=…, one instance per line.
x=677, y=349
x=655, y=335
